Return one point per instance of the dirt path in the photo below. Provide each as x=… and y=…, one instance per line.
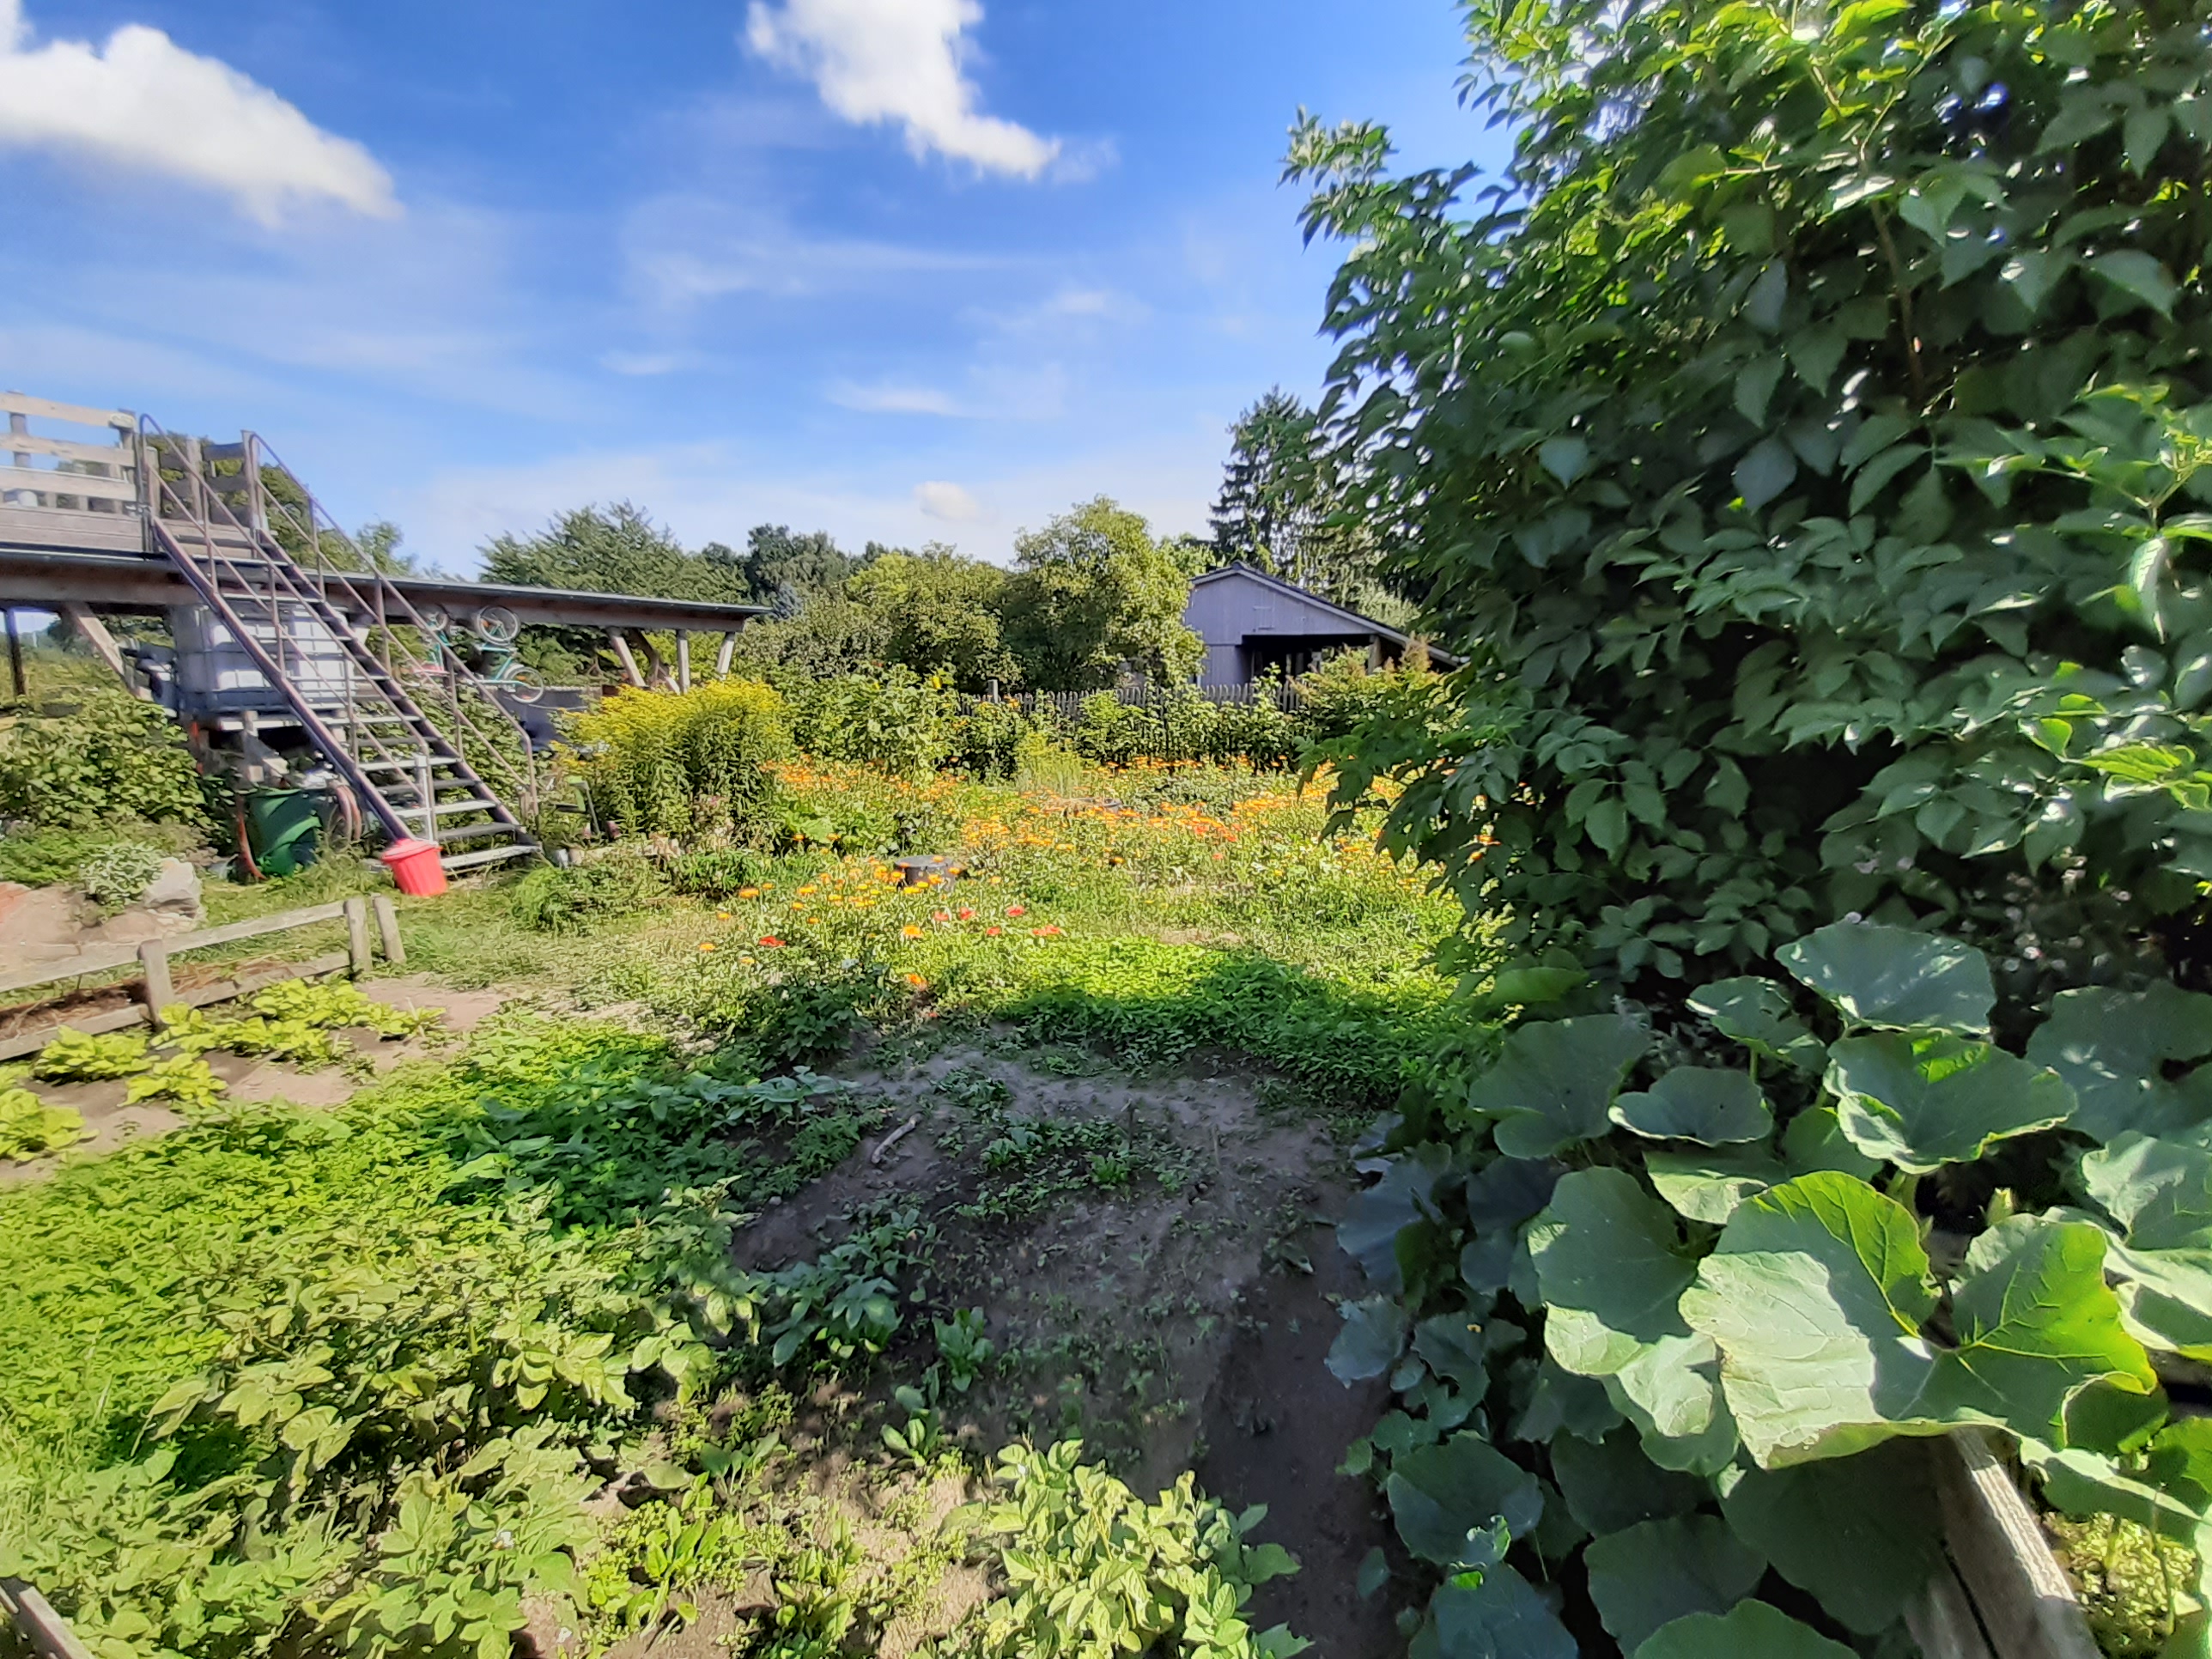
x=1152, y=1261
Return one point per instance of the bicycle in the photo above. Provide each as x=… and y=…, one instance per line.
x=499, y=665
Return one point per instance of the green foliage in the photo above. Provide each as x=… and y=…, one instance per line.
x=28, y=1126
x=2127, y=1575
x=1094, y=590
x=118, y=875
x=1097, y=1572
x=668, y=763
x=185, y=1080
x=940, y=616
x=614, y=550
x=1734, y=1283
x=76, y=1057
x=716, y=872
x=611, y=884
x=987, y=741
x=1811, y=464
x=43, y=858
x=897, y=720
x=116, y=757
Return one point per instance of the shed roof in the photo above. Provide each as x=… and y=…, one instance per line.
x=1332, y=616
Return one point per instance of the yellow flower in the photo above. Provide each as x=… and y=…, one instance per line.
x=748, y=892
x=910, y=932
x=705, y=946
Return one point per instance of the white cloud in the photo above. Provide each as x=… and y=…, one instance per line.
x=144, y=103
x=875, y=61
x=894, y=399
x=948, y=501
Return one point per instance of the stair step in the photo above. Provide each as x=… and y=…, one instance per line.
x=409, y=765
x=488, y=855
x=474, y=804
x=474, y=832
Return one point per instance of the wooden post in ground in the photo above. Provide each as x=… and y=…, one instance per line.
x=728, y=650
x=621, y=643
x=682, y=660
x=387, y=928
x=356, y=922
x=154, y=964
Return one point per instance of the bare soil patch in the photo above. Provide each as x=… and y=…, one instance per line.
x=1151, y=1258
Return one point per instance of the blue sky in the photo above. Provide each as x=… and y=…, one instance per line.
x=903, y=269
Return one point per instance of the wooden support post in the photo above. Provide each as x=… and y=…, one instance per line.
x=356, y=922
x=154, y=964
x=101, y=642
x=682, y=660
x=387, y=929
x=621, y=643
x=16, y=659
x=728, y=650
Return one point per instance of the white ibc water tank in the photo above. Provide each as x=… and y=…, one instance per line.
x=215, y=676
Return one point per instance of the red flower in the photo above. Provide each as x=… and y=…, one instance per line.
x=1017, y=910
x=993, y=933
x=940, y=916
x=966, y=916
x=771, y=941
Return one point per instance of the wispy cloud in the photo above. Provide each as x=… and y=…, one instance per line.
x=143, y=102
x=895, y=399
x=682, y=250
x=877, y=61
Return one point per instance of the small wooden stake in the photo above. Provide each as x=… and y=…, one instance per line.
x=154, y=963
x=356, y=922
x=387, y=928
x=45, y=1632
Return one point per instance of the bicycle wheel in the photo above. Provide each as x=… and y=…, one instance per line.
x=496, y=625
x=523, y=684
x=435, y=618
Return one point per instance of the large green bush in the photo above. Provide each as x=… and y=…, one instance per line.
x=115, y=758
x=666, y=762
x=1804, y=438
x=896, y=720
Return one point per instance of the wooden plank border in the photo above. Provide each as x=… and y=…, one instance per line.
x=139, y=1013
x=45, y=1632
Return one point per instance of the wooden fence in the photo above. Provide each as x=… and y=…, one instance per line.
x=1068, y=705
x=156, y=990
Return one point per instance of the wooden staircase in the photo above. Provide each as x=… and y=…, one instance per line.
x=425, y=746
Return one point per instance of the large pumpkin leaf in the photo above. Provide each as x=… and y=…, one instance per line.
x=1553, y=1083
x=2036, y=1323
x=1611, y=1266
x=1709, y=1104
x=1671, y=1393
x=1895, y=977
x=1502, y=1617
x=1706, y=1184
x=1501, y=1195
x=1610, y=1484
x=1815, y=1140
x=1373, y=1337
x=1751, y=1631
x=1757, y=1013
x=2110, y=1046
x=1816, y=1296
x=1376, y=1216
x=1861, y=1534
x=2159, y=1194
x=1656, y=1571
x=1923, y=1099
x=1440, y=1494
x=1561, y=1402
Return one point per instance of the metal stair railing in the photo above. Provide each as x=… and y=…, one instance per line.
x=228, y=560
x=370, y=592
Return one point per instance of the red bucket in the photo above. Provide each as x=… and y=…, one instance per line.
x=415, y=867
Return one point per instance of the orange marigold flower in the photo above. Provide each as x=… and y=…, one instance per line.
x=993, y=933
x=910, y=931
x=966, y=916
x=705, y=944
x=1047, y=932
x=771, y=942
x=940, y=916
x=917, y=982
